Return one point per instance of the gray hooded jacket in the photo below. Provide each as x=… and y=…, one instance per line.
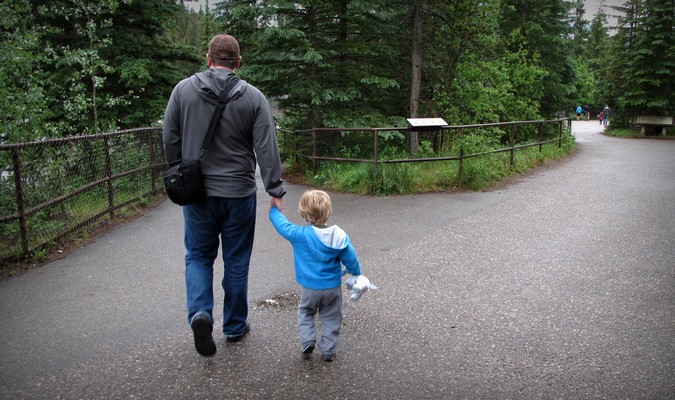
x=246, y=129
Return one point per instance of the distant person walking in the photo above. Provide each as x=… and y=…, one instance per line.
x=605, y=115
x=579, y=111
x=319, y=251
x=246, y=133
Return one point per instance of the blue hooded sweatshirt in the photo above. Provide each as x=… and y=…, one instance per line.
x=317, y=252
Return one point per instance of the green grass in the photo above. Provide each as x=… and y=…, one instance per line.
x=45, y=226
x=625, y=133
x=479, y=173
x=635, y=133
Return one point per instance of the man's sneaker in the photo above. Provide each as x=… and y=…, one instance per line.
x=201, y=328
x=307, y=350
x=328, y=358
x=236, y=338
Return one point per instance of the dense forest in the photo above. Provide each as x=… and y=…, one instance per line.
x=73, y=67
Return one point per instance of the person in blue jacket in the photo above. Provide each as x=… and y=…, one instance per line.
x=319, y=251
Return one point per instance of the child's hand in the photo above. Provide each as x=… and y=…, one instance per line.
x=277, y=202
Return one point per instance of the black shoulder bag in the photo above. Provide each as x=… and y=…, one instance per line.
x=183, y=181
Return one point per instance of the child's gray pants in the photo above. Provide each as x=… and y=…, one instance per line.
x=328, y=303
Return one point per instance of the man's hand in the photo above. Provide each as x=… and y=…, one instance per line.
x=277, y=202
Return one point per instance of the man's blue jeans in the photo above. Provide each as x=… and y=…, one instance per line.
x=234, y=221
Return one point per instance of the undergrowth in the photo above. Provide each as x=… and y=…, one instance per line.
x=478, y=172
x=636, y=133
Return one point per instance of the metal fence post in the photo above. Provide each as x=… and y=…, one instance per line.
x=150, y=142
x=314, y=164
x=460, y=171
x=460, y=166
x=375, y=147
x=513, y=143
x=16, y=164
x=108, y=177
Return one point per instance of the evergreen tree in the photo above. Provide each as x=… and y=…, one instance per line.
x=207, y=26
x=598, y=38
x=590, y=49
x=110, y=63
x=75, y=72
x=541, y=28
x=580, y=29
x=22, y=96
x=186, y=29
x=92, y=65
x=596, y=57
x=621, y=48
x=146, y=63
x=473, y=74
x=330, y=63
x=650, y=61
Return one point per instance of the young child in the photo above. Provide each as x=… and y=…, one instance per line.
x=319, y=251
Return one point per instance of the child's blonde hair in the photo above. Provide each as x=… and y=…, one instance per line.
x=315, y=207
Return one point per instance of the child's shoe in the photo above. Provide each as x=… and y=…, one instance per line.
x=328, y=358
x=307, y=350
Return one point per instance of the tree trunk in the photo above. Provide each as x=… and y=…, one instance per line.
x=416, y=82
x=315, y=116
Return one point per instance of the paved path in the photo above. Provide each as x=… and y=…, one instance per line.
x=559, y=285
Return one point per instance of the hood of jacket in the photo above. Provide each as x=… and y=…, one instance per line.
x=209, y=83
x=325, y=243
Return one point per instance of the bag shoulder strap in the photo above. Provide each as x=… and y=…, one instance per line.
x=222, y=102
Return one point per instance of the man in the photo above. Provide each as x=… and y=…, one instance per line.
x=605, y=114
x=245, y=131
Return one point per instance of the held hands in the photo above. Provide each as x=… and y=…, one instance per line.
x=278, y=202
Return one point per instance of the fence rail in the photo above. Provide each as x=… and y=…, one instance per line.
x=53, y=188
x=315, y=157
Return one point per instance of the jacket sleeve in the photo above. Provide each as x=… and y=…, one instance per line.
x=284, y=227
x=266, y=147
x=350, y=259
x=171, y=135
